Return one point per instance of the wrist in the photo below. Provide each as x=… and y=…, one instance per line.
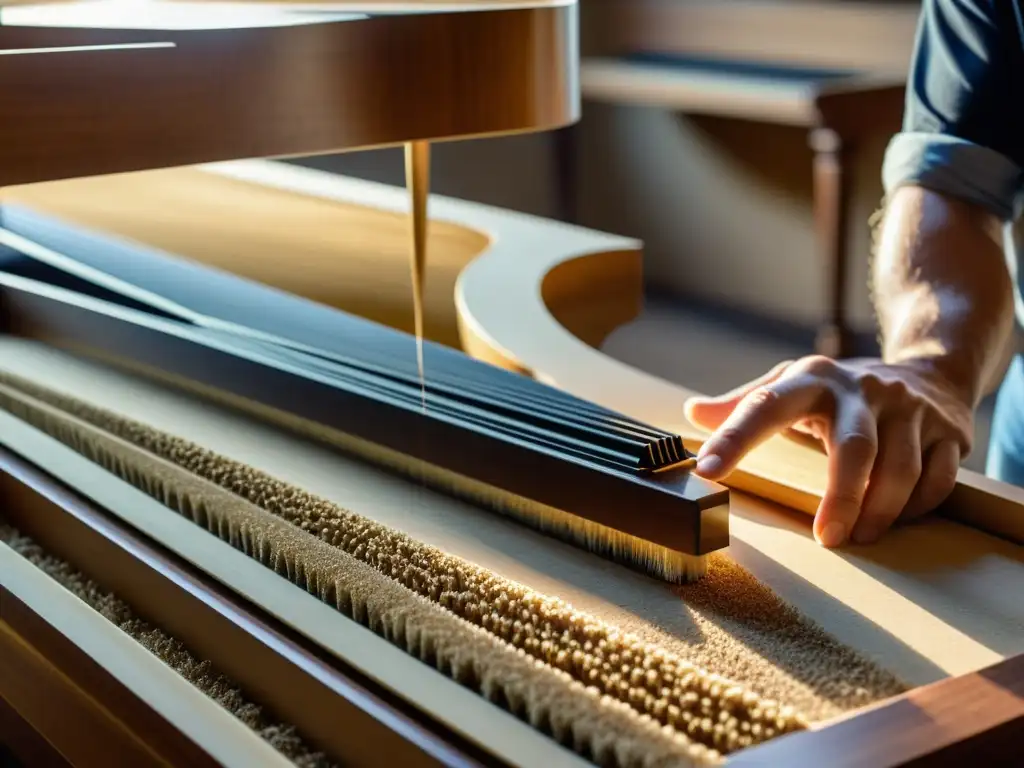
x=958, y=375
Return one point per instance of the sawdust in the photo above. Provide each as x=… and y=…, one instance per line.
x=746, y=628
x=201, y=674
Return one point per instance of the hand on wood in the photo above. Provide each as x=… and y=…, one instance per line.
x=894, y=434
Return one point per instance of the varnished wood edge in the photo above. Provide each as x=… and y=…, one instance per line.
x=977, y=718
x=281, y=91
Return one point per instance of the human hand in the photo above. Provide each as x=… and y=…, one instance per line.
x=894, y=435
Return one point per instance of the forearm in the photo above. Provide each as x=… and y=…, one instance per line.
x=943, y=293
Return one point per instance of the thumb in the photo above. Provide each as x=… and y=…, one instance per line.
x=708, y=413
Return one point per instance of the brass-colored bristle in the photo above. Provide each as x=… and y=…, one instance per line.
x=641, y=555
x=610, y=696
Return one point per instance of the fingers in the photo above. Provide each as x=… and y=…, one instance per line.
x=894, y=477
x=891, y=454
x=709, y=412
x=852, y=449
x=938, y=479
x=762, y=412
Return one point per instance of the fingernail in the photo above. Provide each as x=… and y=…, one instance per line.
x=833, y=535
x=709, y=464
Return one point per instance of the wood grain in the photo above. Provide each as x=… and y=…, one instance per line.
x=972, y=719
x=284, y=88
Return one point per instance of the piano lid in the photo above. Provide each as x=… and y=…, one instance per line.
x=113, y=86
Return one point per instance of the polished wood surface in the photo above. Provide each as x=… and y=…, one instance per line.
x=972, y=719
x=349, y=255
x=288, y=84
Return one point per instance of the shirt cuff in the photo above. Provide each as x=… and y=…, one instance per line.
x=955, y=167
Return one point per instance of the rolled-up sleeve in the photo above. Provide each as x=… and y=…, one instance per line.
x=963, y=128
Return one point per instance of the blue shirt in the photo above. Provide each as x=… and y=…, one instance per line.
x=963, y=135
x=963, y=128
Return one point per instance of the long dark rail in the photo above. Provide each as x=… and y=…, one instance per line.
x=111, y=300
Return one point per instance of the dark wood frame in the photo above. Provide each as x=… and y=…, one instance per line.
x=976, y=719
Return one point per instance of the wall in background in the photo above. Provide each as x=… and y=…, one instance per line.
x=724, y=207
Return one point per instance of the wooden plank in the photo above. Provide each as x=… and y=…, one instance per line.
x=271, y=664
x=972, y=719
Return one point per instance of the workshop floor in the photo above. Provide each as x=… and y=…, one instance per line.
x=713, y=356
